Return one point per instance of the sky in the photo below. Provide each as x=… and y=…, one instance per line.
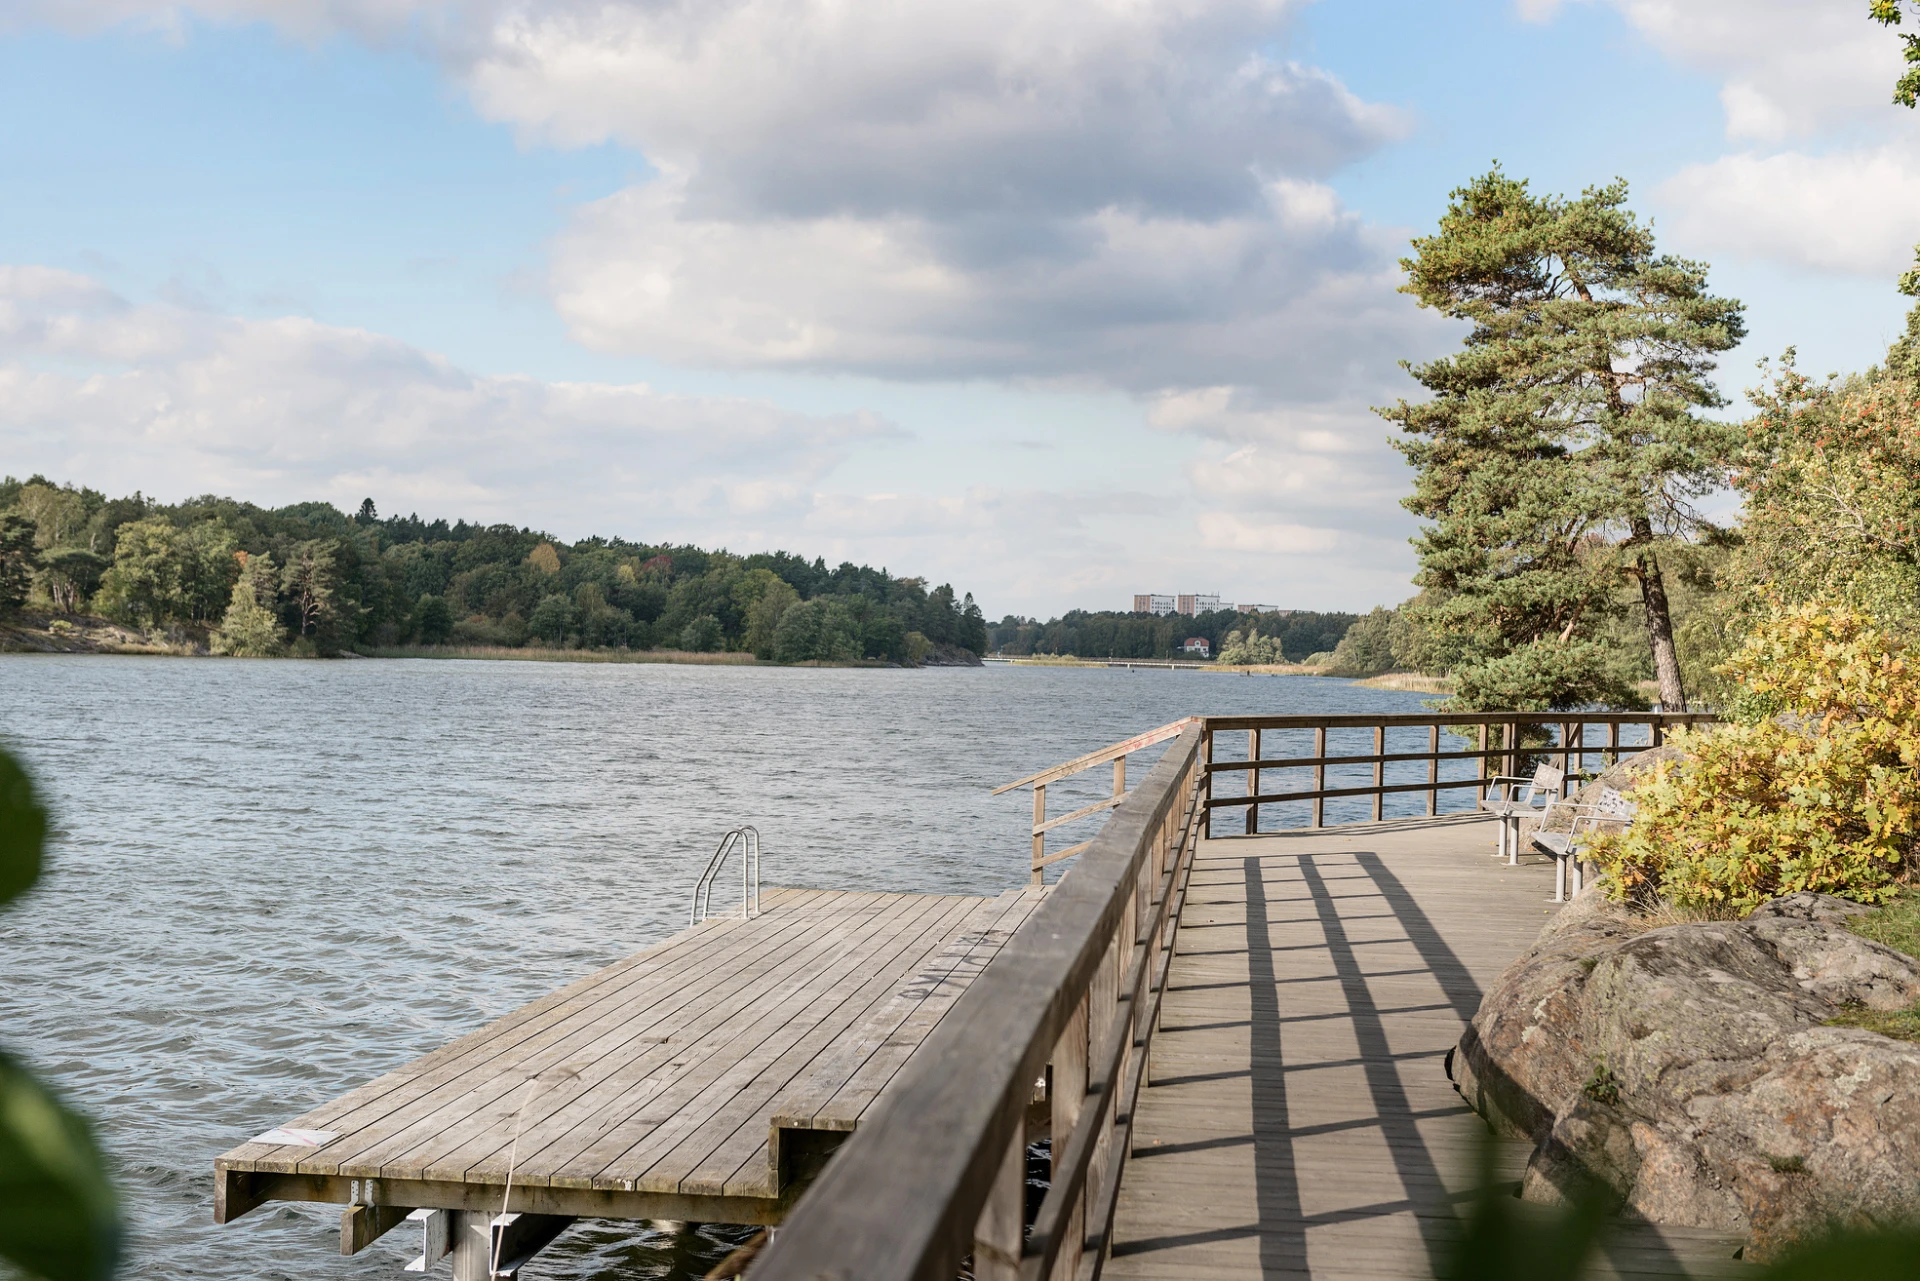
x=1057, y=300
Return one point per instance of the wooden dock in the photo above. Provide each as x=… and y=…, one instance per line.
x=699, y=1079
x=1298, y=1120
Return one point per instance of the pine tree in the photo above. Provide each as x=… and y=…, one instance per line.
x=1563, y=446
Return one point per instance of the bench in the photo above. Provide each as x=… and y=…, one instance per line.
x=1514, y=800
x=1564, y=847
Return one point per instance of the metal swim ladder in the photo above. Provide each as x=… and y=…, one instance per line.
x=747, y=839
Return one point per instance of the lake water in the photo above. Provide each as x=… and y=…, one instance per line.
x=273, y=881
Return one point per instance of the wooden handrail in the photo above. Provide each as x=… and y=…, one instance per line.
x=1127, y=747
x=938, y=1172
x=1116, y=753
x=1571, y=747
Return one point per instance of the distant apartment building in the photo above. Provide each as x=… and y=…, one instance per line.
x=1194, y=606
x=1262, y=609
x=1152, y=604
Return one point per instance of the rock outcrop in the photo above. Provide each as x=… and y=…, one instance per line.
x=1685, y=1071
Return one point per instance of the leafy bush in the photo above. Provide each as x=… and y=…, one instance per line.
x=1815, y=787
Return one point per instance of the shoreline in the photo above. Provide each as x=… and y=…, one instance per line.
x=87, y=634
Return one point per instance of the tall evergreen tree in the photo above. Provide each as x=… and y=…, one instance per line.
x=1564, y=444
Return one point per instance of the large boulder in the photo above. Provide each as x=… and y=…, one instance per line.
x=1686, y=1070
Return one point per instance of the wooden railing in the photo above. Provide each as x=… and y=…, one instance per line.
x=1558, y=735
x=938, y=1172
x=1117, y=753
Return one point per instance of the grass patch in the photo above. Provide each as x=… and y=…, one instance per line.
x=1901, y=1025
x=1895, y=923
x=1788, y=1164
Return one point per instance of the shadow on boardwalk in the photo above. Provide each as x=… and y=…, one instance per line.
x=1299, y=1120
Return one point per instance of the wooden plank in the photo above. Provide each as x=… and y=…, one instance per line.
x=697, y=1162
x=440, y=1099
x=802, y=1102
x=614, y=1082
x=921, y=1014
x=753, y=1154
x=602, y=1128
x=351, y=1114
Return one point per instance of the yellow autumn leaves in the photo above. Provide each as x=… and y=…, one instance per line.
x=1815, y=786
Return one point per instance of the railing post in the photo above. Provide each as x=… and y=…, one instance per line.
x=1119, y=776
x=1379, y=772
x=1656, y=731
x=1001, y=1230
x=1103, y=1006
x=1433, y=769
x=1481, y=764
x=1066, y=1093
x=1206, y=763
x=1039, y=837
x=1320, y=775
x=1253, y=781
x=1509, y=747
x=1613, y=741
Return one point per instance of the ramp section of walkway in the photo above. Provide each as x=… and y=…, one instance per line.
x=1298, y=1120
x=660, y=1086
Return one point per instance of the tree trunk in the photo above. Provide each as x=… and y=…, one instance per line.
x=1653, y=595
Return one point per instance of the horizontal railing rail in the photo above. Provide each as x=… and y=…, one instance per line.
x=1561, y=735
x=938, y=1172
x=1114, y=752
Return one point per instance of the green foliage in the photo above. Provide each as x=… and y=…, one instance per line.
x=23, y=831
x=1105, y=634
x=704, y=634
x=1601, y=1085
x=1906, y=90
x=432, y=620
x=1250, y=647
x=1818, y=790
x=1831, y=477
x=69, y=575
x=58, y=1215
x=1560, y=450
x=1367, y=648
x=815, y=631
x=308, y=583
x=17, y=562
x=1543, y=675
x=365, y=581
x=251, y=626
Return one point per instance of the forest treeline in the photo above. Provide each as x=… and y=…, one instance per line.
x=311, y=579
x=1290, y=638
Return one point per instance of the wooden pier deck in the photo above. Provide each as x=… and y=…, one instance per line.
x=681, y=1083
x=1297, y=1120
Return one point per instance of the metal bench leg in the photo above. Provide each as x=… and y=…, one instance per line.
x=1559, y=880
x=1513, y=845
x=1575, y=860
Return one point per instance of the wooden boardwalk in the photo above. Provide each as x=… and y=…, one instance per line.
x=1297, y=1119
x=682, y=1082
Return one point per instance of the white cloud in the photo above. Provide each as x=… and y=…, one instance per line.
x=1120, y=192
x=1855, y=210
x=1296, y=295
x=99, y=389
x=1229, y=531
x=1788, y=68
